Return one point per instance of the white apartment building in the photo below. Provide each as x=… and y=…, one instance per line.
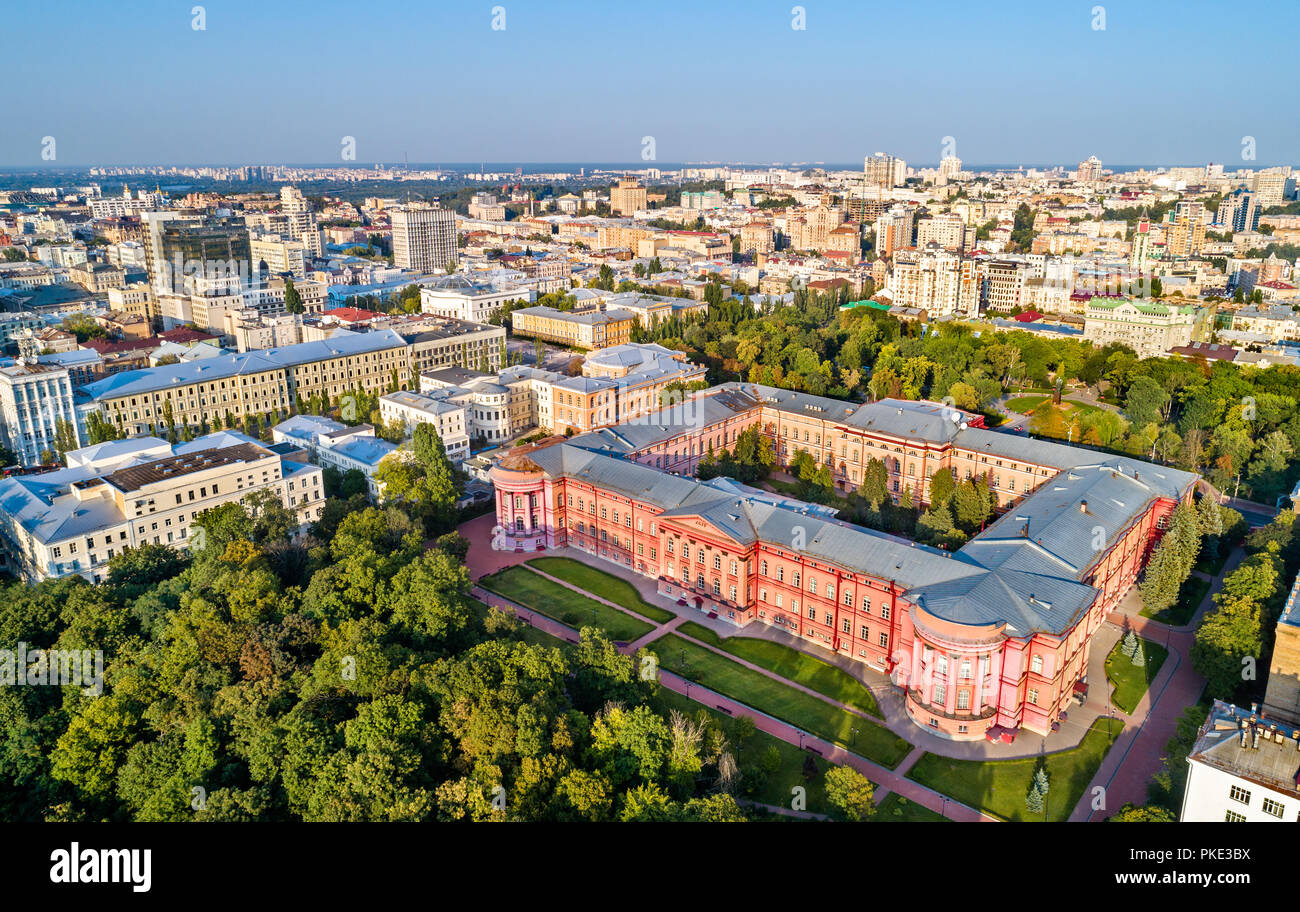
x=1003, y=284
x=297, y=210
x=276, y=255
x=127, y=493
x=1243, y=769
x=424, y=237
x=935, y=280
x=35, y=400
x=439, y=409
x=332, y=444
x=947, y=230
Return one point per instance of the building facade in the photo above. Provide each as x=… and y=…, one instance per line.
x=991, y=639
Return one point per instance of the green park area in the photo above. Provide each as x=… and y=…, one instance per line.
x=790, y=663
x=1132, y=675
x=755, y=689
x=547, y=597
x=999, y=787
x=605, y=585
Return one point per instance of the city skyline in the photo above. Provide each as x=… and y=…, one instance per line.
x=1049, y=86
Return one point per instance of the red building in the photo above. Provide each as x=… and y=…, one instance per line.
x=993, y=637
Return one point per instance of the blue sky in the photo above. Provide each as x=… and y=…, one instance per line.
x=1011, y=82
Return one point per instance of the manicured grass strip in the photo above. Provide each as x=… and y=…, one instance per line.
x=1023, y=405
x=810, y=671
x=998, y=787
x=603, y=584
x=563, y=604
x=897, y=809
x=1181, y=612
x=1132, y=682
x=764, y=694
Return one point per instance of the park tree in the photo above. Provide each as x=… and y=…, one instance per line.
x=850, y=793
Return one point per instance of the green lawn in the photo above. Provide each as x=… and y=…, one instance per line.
x=1024, y=405
x=897, y=809
x=1212, y=565
x=810, y=671
x=563, y=604
x=1131, y=683
x=1180, y=613
x=767, y=695
x=998, y=787
x=598, y=582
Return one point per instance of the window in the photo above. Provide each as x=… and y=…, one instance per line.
x=866, y=604
x=1036, y=665
x=965, y=668
x=1033, y=696
x=884, y=612
x=884, y=639
x=940, y=694
x=963, y=699
x=812, y=613
x=866, y=634
x=762, y=568
x=1234, y=817
x=1273, y=807
x=1237, y=793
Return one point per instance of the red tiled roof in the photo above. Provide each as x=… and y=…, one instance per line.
x=353, y=314
x=1029, y=316
x=183, y=334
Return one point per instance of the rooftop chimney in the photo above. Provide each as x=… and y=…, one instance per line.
x=1083, y=506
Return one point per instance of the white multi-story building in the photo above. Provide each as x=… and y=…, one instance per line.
x=1278, y=322
x=331, y=444
x=935, y=280
x=1150, y=329
x=302, y=221
x=424, y=237
x=35, y=402
x=466, y=298
x=277, y=256
x=1243, y=769
x=438, y=408
x=127, y=493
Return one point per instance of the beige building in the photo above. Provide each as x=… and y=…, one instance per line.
x=627, y=197
x=586, y=329
x=256, y=382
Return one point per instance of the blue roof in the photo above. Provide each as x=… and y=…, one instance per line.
x=367, y=450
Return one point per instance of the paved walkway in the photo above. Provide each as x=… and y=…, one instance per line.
x=1139, y=752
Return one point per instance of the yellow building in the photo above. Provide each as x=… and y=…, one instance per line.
x=586, y=329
